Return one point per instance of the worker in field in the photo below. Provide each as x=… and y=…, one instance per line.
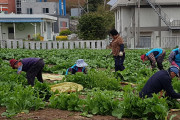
x=79, y=66
x=161, y=80
x=32, y=66
x=174, y=57
x=155, y=55
x=117, y=46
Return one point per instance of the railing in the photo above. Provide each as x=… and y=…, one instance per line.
x=170, y=41
x=160, y=12
x=88, y=44
x=175, y=23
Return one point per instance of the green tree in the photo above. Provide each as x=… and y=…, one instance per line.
x=91, y=27
x=93, y=5
x=95, y=26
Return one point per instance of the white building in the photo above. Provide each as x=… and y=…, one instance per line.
x=148, y=23
x=26, y=26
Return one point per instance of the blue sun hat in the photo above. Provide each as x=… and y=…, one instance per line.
x=81, y=63
x=175, y=70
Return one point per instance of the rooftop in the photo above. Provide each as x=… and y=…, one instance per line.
x=40, y=16
x=116, y=3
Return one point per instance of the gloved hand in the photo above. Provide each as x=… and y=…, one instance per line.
x=19, y=72
x=120, y=53
x=110, y=53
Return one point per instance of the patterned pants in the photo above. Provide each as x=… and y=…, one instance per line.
x=160, y=60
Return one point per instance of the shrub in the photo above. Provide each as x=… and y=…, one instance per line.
x=65, y=32
x=61, y=38
x=37, y=37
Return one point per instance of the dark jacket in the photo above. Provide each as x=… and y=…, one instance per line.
x=161, y=80
x=28, y=63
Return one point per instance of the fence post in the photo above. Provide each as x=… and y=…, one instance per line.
x=20, y=44
x=14, y=44
x=61, y=44
x=26, y=45
x=104, y=44
x=93, y=45
x=32, y=45
x=98, y=44
x=87, y=44
x=49, y=45
x=37, y=45
x=43, y=45
x=8, y=43
x=3, y=43
x=66, y=45
x=54, y=45
x=77, y=44
x=82, y=44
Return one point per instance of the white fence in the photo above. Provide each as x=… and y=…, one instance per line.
x=88, y=44
x=166, y=42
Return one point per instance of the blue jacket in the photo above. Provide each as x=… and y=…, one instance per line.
x=74, y=69
x=155, y=51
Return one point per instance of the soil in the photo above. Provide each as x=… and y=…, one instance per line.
x=55, y=114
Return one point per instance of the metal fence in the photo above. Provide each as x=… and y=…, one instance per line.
x=86, y=44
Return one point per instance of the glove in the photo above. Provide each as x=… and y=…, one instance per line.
x=120, y=53
x=174, y=64
x=110, y=53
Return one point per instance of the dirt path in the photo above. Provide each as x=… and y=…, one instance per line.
x=55, y=114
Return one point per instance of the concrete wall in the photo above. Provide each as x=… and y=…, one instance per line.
x=149, y=23
x=37, y=7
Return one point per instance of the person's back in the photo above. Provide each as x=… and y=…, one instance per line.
x=161, y=80
x=155, y=83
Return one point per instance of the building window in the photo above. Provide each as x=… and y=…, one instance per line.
x=63, y=24
x=18, y=10
x=45, y=10
x=29, y=10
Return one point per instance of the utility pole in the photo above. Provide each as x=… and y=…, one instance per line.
x=159, y=29
x=87, y=7
x=138, y=30
x=104, y=4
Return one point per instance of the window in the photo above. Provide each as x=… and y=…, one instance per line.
x=29, y=10
x=10, y=30
x=63, y=24
x=18, y=10
x=45, y=10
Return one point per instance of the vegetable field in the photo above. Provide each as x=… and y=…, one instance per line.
x=103, y=93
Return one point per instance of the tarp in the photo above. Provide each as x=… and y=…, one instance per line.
x=67, y=87
x=52, y=77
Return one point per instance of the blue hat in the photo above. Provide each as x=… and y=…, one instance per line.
x=175, y=70
x=81, y=63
